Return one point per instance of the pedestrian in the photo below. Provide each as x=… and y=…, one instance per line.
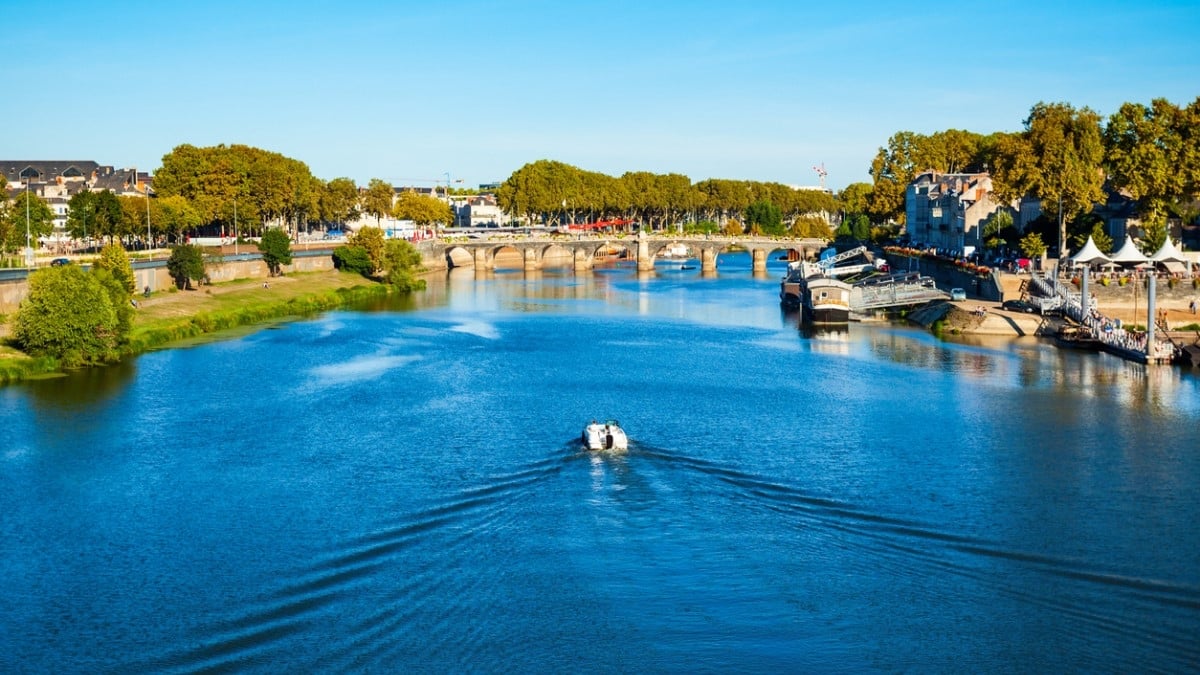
x=1192, y=306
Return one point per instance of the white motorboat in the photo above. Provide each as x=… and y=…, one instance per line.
x=607, y=435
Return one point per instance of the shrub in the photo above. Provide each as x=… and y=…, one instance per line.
x=371, y=240
x=352, y=259
x=69, y=315
x=401, y=260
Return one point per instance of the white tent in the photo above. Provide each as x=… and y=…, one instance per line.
x=1168, y=253
x=1129, y=253
x=1169, y=257
x=1089, y=254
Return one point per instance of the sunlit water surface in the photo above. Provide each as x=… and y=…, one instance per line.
x=401, y=488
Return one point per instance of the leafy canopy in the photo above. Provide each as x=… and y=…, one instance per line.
x=276, y=248
x=114, y=259
x=186, y=264
x=70, y=315
x=370, y=239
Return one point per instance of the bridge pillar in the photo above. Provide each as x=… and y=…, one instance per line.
x=708, y=260
x=583, y=259
x=484, y=261
x=758, y=259
x=533, y=258
x=645, y=261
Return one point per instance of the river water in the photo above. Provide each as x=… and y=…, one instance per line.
x=401, y=488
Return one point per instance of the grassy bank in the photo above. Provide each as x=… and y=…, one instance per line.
x=178, y=315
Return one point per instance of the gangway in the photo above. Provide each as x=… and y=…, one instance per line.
x=1114, y=339
x=902, y=290
x=828, y=263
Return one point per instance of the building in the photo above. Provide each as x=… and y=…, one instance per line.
x=57, y=181
x=480, y=211
x=947, y=210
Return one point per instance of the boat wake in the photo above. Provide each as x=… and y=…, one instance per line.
x=398, y=565
x=1097, y=600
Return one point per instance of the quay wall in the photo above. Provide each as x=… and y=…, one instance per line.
x=1134, y=294
x=157, y=277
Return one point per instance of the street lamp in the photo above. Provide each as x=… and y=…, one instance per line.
x=149, y=237
x=28, y=239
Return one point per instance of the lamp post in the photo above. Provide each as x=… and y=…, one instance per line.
x=235, y=227
x=149, y=237
x=28, y=238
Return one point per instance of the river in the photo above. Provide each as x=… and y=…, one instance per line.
x=400, y=487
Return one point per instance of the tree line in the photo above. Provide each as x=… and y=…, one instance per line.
x=1063, y=156
x=556, y=194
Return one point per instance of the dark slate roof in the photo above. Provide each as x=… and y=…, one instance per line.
x=48, y=170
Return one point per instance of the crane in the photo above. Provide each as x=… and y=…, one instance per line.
x=820, y=169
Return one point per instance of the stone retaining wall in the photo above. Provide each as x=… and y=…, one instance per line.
x=1135, y=293
x=157, y=278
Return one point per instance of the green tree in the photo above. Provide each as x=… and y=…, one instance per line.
x=423, y=210
x=114, y=259
x=176, y=216
x=1099, y=237
x=28, y=212
x=239, y=186
x=1150, y=153
x=68, y=315
x=855, y=197
x=377, y=201
x=109, y=217
x=893, y=168
x=1033, y=246
x=1154, y=235
x=401, y=262
x=339, y=201
x=765, y=217
x=860, y=226
x=121, y=299
x=186, y=264
x=134, y=214
x=371, y=240
x=811, y=226
x=352, y=259
x=995, y=227
x=1057, y=159
x=276, y=249
x=81, y=214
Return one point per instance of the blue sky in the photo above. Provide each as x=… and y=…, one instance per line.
x=409, y=92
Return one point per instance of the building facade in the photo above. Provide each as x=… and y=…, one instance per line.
x=55, y=182
x=947, y=210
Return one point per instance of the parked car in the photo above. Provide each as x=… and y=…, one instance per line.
x=1019, y=306
x=958, y=294
x=58, y=262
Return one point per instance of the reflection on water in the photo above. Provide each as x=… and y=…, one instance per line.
x=80, y=389
x=390, y=490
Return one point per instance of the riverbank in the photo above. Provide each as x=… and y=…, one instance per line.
x=173, y=315
x=973, y=317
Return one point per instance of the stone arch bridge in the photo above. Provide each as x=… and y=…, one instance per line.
x=584, y=252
